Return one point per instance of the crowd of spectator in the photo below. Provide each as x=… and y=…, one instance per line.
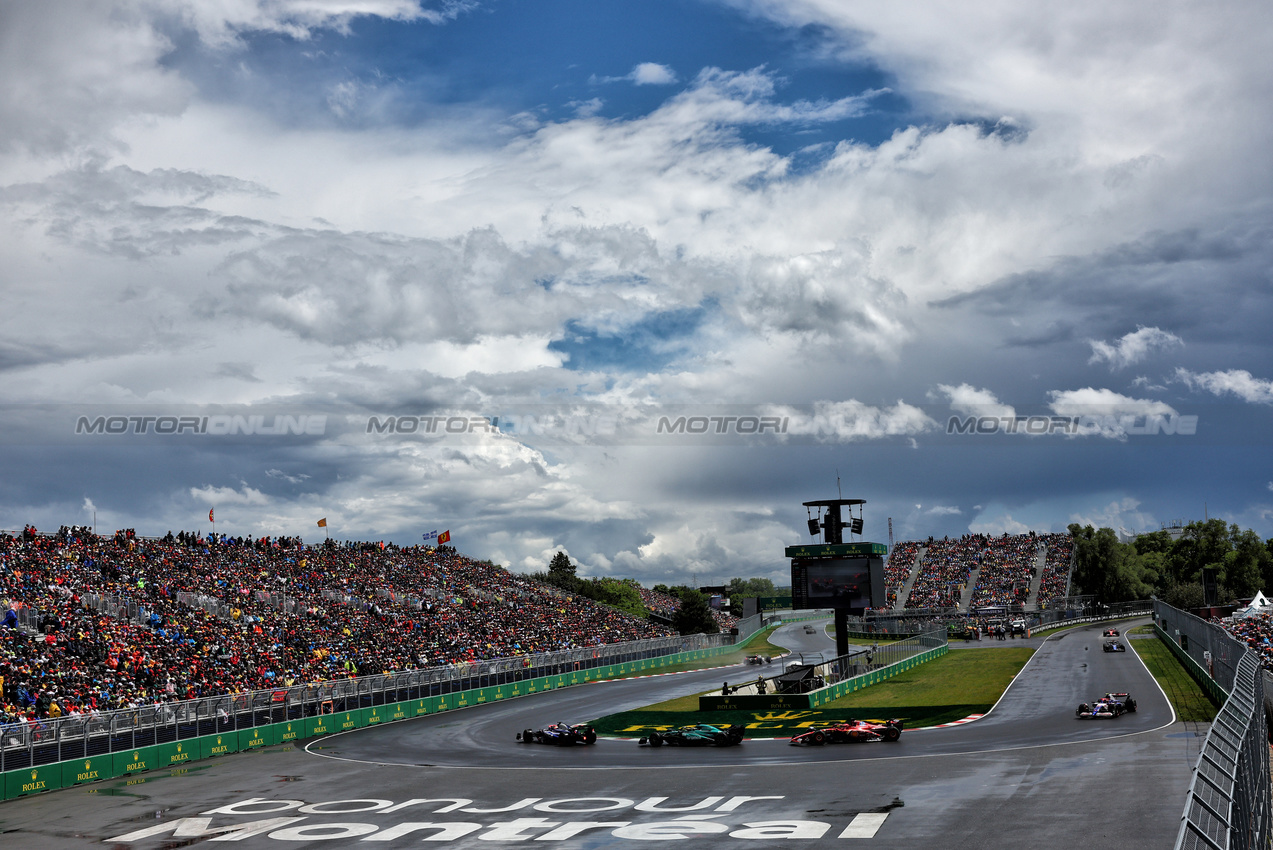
x=284, y=614
x=1257, y=631
x=666, y=605
x=943, y=575
x=1056, y=567
x=1007, y=564
x=898, y=569
x=1007, y=567
x=658, y=602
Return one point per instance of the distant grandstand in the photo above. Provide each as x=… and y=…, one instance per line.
x=976, y=571
x=663, y=606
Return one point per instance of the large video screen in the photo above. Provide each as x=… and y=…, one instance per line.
x=856, y=583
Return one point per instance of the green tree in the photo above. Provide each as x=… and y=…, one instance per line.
x=561, y=574
x=560, y=566
x=695, y=615
x=1107, y=569
x=1245, y=566
x=752, y=587
x=618, y=593
x=1184, y=596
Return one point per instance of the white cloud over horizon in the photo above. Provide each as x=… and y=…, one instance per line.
x=1053, y=177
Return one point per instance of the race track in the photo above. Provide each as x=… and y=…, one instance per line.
x=1028, y=772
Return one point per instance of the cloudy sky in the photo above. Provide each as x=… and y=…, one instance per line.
x=634, y=279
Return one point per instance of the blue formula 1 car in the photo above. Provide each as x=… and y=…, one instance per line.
x=1110, y=705
x=562, y=734
x=700, y=735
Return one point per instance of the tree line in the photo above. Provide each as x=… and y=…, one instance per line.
x=694, y=616
x=1154, y=564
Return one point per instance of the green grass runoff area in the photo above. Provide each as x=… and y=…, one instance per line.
x=944, y=690
x=941, y=691
x=1188, y=699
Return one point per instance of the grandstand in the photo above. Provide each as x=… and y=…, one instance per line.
x=663, y=606
x=98, y=623
x=1054, y=580
x=900, y=572
x=977, y=571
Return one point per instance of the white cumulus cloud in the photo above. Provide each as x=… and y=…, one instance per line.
x=972, y=401
x=1105, y=412
x=1131, y=348
x=652, y=74
x=1239, y=382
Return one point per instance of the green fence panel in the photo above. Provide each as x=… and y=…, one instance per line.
x=322, y=724
x=83, y=770
x=354, y=718
x=177, y=753
x=257, y=737
x=134, y=761
x=32, y=780
x=219, y=745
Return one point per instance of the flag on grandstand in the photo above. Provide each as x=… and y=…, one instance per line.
x=430, y=535
x=322, y=523
x=210, y=519
x=444, y=537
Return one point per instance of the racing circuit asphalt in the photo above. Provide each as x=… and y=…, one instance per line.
x=1028, y=772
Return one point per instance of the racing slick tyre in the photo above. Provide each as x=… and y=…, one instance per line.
x=892, y=733
x=590, y=738
x=818, y=738
x=656, y=740
x=1083, y=708
x=1131, y=705
x=527, y=737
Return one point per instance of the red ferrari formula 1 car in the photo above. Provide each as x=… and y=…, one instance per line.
x=563, y=734
x=851, y=731
x=1110, y=632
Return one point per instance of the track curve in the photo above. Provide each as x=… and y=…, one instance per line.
x=1037, y=710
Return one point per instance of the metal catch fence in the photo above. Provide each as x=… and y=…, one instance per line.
x=1228, y=806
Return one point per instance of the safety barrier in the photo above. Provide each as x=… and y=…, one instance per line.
x=840, y=676
x=1229, y=804
x=46, y=755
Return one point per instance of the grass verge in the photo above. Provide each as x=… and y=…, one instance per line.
x=1188, y=699
x=941, y=691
